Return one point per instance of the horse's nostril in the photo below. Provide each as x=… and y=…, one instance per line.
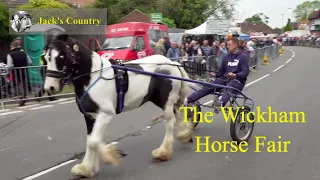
x=51, y=88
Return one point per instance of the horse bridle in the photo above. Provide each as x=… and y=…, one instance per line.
x=69, y=68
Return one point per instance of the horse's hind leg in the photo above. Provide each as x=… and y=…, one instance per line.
x=164, y=152
x=96, y=149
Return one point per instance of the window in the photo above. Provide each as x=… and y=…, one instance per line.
x=165, y=34
x=123, y=42
x=154, y=36
x=139, y=44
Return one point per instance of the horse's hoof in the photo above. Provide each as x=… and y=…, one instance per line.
x=81, y=170
x=161, y=154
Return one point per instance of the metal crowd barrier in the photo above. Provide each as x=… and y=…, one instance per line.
x=20, y=85
x=308, y=43
x=198, y=67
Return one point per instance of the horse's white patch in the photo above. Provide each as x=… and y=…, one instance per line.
x=50, y=57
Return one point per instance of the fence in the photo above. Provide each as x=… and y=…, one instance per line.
x=308, y=43
x=20, y=85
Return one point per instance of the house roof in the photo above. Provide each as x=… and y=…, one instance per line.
x=136, y=16
x=15, y=3
x=314, y=15
x=247, y=28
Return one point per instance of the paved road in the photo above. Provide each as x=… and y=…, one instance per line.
x=32, y=141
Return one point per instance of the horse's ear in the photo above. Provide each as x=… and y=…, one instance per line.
x=63, y=37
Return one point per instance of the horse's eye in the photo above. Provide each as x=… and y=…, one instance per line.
x=61, y=57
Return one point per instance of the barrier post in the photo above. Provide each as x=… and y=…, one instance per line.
x=265, y=57
x=280, y=52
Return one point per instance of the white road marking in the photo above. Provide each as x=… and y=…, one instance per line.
x=12, y=112
x=67, y=102
x=209, y=102
x=33, y=105
x=41, y=107
x=278, y=68
x=59, y=100
x=288, y=60
x=48, y=170
x=257, y=80
x=5, y=110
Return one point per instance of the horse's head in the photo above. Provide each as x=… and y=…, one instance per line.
x=61, y=62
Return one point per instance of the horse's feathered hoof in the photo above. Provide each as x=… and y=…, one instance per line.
x=121, y=153
x=111, y=155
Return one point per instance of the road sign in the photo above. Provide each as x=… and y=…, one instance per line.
x=156, y=17
x=219, y=27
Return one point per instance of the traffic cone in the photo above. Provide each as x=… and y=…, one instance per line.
x=265, y=59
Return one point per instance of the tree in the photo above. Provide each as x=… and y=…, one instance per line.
x=304, y=10
x=258, y=18
x=169, y=22
x=186, y=14
x=278, y=30
x=4, y=24
x=50, y=8
x=288, y=26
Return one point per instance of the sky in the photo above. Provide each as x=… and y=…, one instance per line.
x=271, y=8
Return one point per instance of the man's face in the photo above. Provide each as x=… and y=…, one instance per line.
x=205, y=42
x=217, y=43
x=174, y=44
x=232, y=46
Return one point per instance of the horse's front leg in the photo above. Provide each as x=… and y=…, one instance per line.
x=96, y=149
x=164, y=152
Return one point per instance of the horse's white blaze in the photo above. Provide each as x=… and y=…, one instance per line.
x=51, y=65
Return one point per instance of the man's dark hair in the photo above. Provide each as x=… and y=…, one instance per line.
x=236, y=41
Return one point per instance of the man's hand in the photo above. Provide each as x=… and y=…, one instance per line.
x=232, y=75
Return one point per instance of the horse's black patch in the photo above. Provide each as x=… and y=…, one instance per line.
x=159, y=89
x=89, y=122
x=84, y=57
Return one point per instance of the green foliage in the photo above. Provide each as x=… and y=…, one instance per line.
x=185, y=14
x=169, y=22
x=4, y=24
x=258, y=18
x=47, y=9
x=288, y=26
x=305, y=9
x=278, y=30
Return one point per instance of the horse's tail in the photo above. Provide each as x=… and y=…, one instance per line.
x=184, y=90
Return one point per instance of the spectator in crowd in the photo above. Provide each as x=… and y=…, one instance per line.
x=167, y=44
x=19, y=59
x=183, y=52
x=223, y=52
x=215, y=50
x=160, y=49
x=205, y=47
x=174, y=52
x=193, y=51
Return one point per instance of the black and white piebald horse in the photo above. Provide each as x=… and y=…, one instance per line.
x=97, y=96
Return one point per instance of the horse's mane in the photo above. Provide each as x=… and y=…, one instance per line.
x=61, y=44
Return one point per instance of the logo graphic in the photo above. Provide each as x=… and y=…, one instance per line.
x=21, y=21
